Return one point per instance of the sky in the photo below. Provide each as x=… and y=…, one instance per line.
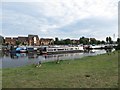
x=59, y=18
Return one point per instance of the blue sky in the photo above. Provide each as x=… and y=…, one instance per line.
x=57, y=18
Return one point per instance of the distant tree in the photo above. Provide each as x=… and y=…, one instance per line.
x=18, y=42
x=84, y=40
x=118, y=40
x=98, y=42
x=61, y=42
x=107, y=39
x=93, y=41
x=110, y=40
x=67, y=41
x=56, y=41
x=102, y=42
x=87, y=41
x=81, y=40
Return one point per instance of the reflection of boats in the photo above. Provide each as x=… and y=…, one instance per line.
x=17, y=55
x=21, y=54
x=92, y=51
x=32, y=55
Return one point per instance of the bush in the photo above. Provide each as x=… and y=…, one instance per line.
x=118, y=47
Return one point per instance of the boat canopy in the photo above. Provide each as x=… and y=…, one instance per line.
x=20, y=48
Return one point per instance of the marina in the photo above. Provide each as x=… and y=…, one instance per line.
x=59, y=44
x=10, y=60
x=53, y=49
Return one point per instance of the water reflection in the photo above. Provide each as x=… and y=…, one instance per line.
x=32, y=55
x=21, y=59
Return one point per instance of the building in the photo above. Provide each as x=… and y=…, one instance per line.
x=33, y=40
x=22, y=40
x=46, y=41
x=9, y=41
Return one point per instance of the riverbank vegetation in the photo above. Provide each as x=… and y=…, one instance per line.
x=99, y=71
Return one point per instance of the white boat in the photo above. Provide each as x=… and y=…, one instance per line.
x=62, y=49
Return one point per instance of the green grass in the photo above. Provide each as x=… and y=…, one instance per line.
x=101, y=69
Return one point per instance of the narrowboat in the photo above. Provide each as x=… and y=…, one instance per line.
x=62, y=49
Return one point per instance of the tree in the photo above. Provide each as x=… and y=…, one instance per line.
x=93, y=41
x=98, y=42
x=61, y=42
x=110, y=40
x=56, y=41
x=67, y=41
x=84, y=41
x=102, y=42
x=87, y=41
x=107, y=39
x=81, y=40
x=18, y=42
x=118, y=40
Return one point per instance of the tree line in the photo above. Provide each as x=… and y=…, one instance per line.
x=85, y=41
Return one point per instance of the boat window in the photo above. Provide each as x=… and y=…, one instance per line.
x=60, y=49
x=44, y=49
x=50, y=49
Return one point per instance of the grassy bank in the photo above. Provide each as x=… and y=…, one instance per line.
x=98, y=71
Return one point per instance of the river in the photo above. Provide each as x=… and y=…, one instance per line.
x=21, y=59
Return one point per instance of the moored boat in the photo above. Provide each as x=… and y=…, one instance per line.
x=21, y=50
x=62, y=49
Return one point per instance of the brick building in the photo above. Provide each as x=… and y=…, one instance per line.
x=23, y=40
x=33, y=40
x=46, y=41
x=10, y=41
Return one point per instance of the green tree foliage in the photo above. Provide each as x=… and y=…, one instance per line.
x=118, y=40
x=107, y=39
x=67, y=41
x=98, y=42
x=61, y=42
x=18, y=42
x=84, y=41
x=102, y=42
x=110, y=40
x=93, y=41
x=56, y=41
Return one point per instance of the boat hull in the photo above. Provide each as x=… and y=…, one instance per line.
x=58, y=52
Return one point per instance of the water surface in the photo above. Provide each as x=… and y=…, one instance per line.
x=21, y=59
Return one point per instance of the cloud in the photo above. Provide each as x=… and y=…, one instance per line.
x=68, y=18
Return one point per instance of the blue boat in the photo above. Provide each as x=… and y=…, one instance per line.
x=21, y=50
